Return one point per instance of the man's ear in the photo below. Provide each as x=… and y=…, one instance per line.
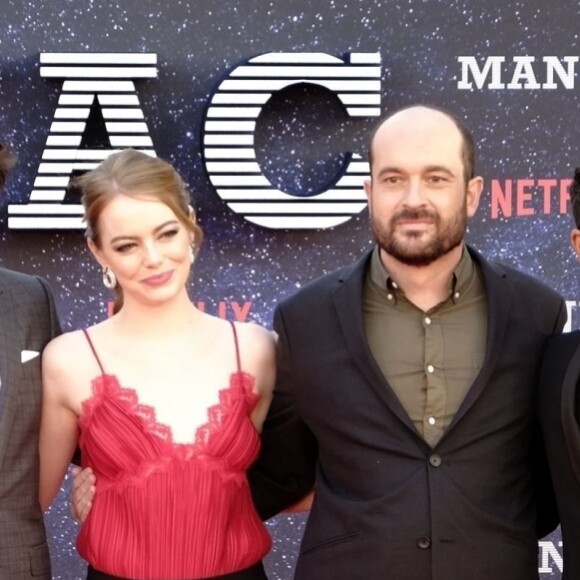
x=474, y=189
x=368, y=184
x=575, y=240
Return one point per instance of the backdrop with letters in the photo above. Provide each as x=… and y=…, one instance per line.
x=264, y=107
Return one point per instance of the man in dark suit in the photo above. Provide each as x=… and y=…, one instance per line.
x=558, y=405
x=27, y=322
x=405, y=385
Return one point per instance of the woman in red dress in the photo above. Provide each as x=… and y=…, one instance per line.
x=165, y=401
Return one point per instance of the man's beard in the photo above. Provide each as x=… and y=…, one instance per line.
x=448, y=235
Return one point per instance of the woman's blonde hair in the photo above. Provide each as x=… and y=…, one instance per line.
x=135, y=174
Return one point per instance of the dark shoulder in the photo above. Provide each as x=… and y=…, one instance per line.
x=560, y=349
x=8, y=277
x=522, y=283
x=321, y=287
x=557, y=357
x=19, y=284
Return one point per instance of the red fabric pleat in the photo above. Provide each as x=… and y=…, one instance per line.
x=170, y=510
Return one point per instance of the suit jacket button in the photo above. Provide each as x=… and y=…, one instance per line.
x=435, y=460
x=424, y=542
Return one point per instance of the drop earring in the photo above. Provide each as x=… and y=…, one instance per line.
x=109, y=278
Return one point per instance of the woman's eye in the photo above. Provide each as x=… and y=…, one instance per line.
x=124, y=248
x=169, y=233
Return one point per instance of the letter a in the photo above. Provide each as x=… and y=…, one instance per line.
x=108, y=78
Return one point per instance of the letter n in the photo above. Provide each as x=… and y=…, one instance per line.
x=104, y=80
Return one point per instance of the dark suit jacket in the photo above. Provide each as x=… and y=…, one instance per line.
x=559, y=410
x=27, y=322
x=387, y=506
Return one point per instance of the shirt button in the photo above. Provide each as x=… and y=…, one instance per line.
x=424, y=542
x=435, y=460
x=430, y=369
x=427, y=320
x=431, y=420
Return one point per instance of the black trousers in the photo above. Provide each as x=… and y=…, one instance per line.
x=255, y=572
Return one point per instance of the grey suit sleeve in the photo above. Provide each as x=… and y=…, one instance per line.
x=284, y=472
x=54, y=324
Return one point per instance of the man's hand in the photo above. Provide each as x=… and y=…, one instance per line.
x=304, y=505
x=82, y=493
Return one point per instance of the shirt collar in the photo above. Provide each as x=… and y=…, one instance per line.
x=460, y=279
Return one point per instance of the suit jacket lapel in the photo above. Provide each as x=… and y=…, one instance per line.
x=348, y=302
x=499, y=299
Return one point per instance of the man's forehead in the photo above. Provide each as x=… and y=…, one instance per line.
x=433, y=136
x=421, y=115
x=432, y=147
x=422, y=123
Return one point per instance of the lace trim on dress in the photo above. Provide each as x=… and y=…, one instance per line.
x=106, y=387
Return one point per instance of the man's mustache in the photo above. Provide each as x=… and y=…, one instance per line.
x=414, y=214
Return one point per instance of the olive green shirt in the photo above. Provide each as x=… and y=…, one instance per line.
x=430, y=359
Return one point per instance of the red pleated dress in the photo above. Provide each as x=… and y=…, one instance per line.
x=164, y=509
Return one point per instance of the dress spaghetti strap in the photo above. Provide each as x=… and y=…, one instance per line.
x=86, y=333
x=237, y=346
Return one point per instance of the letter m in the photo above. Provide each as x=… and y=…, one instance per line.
x=93, y=82
x=470, y=68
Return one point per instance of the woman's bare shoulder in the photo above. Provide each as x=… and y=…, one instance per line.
x=68, y=353
x=64, y=345
x=258, y=355
x=256, y=338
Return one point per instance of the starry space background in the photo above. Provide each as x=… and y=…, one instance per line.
x=302, y=137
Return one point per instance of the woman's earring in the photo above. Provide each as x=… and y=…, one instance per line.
x=109, y=278
x=192, y=253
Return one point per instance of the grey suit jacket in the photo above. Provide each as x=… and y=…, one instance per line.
x=27, y=322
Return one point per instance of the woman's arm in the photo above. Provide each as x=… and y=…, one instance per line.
x=58, y=428
x=259, y=356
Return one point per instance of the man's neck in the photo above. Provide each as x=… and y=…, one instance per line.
x=424, y=286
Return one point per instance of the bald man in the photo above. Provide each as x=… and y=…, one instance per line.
x=405, y=389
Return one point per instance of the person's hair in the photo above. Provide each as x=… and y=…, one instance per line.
x=575, y=197
x=7, y=161
x=134, y=174
x=467, y=143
